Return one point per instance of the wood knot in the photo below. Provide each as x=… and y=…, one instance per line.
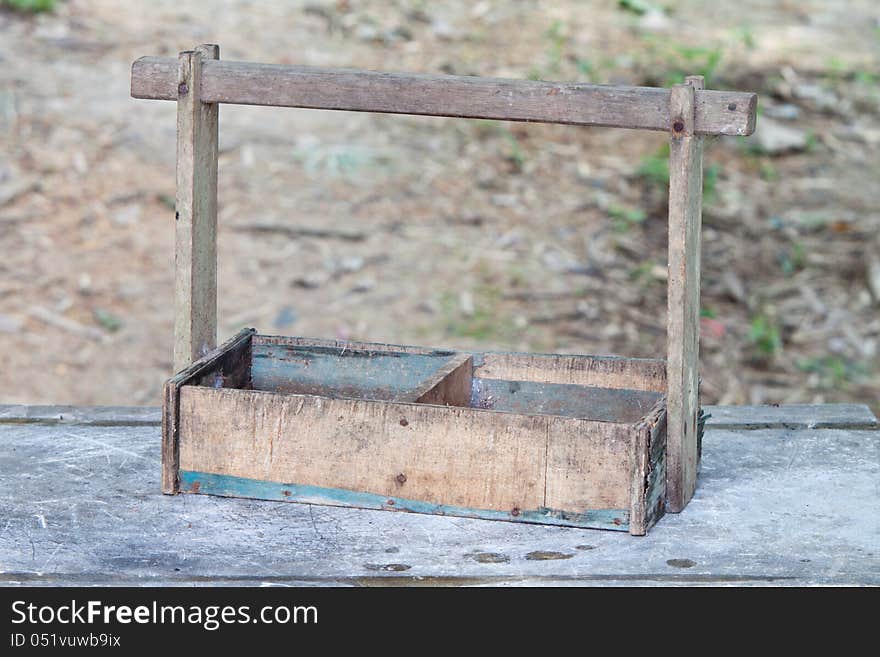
x=400, y=479
x=404, y=422
x=678, y=126
x=182, y=89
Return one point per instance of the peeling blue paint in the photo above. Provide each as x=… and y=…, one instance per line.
x=230, y=486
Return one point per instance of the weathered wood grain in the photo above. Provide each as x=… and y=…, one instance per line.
x=599, y=371
x=442, y=455
x=195, y=296
x=683, y=290
x=648, y=483
x=589, y=465
x=228, y=366
x=719, y=112
x=791, y=416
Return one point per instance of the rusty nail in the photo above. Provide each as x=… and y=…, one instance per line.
x=390, y=502
x=286, y=493
x=182, y=89
x=195, y=487
x=678, y=126
x=404, y=422
x=515, y=511
x=401, y=478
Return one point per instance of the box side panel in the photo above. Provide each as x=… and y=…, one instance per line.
x=649, y=470
x=350, y=372
x=655, y=497
x=599, y=371
x=619, y=405
x=228, y=366
x=438, y=454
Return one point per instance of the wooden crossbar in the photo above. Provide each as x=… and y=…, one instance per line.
x=199, y=82
x=243, y=83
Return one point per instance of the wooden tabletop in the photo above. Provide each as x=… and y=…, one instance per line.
x=786, y=495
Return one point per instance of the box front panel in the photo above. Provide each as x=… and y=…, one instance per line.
x=416, y=457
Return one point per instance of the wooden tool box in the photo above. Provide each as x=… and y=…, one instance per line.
x=584, y=441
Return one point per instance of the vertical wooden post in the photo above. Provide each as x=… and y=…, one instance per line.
x=195, y=249
x=683, y=323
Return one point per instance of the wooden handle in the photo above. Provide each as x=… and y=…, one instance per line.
x=244, y=83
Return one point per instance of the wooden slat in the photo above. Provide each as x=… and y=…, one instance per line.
x=683, y=334
x=791, y=416
x=599, y=371
x=229, y=486
x=620, y=405
x=648, y=489
x=719, y=112
x=295, y=341
x=228, y=366
x=195, y=298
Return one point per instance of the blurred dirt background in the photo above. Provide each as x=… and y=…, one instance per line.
x=436, y=231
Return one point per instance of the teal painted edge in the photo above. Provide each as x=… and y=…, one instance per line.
x=230, y=486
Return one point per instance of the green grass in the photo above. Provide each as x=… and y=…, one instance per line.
x=693, y=61
x=746, y=36
x=108, y=320
x=514, y=153
x=670, y=62
x=768, y=171
x=486, y=323
x=793, y=259
x=637, y=7
x=29, y=6
x=512, y=149
x=625, y=218
x=765, y=336
x=654, y=169
x=832, y=370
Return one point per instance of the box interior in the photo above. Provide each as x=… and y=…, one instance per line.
x=406, y=374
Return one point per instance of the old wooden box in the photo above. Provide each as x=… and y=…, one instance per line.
x=567, y=440
x=586, y=441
